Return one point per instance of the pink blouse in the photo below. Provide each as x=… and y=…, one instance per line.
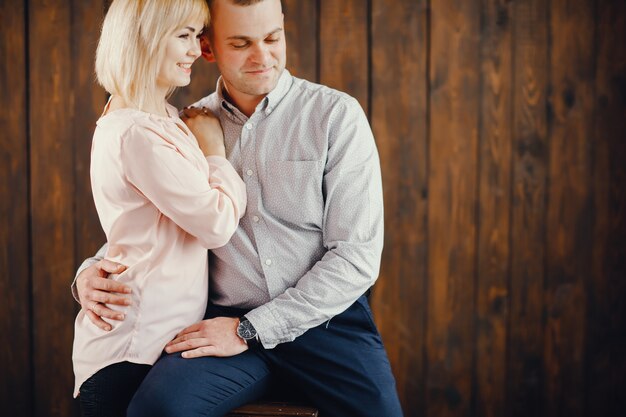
x=161, y=204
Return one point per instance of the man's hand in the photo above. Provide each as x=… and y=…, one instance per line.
x=95, y=289
x=206, y=127
x=212, y=337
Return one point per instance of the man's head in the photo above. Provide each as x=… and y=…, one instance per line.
x=247, y=41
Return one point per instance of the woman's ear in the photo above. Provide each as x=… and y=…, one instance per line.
x=205, y=46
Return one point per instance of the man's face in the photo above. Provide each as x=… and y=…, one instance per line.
x=248, y=44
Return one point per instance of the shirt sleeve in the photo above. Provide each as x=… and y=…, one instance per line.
x=352, y=235
x=207, y=208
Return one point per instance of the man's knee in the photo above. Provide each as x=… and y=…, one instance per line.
x=152, y=402
x=173, y=403
x=387, y=403
x=203, y=386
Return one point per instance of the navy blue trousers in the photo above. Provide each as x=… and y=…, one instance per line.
x=340, y=367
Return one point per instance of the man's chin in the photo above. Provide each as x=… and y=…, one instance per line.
x=263, y=85
x=261, y=89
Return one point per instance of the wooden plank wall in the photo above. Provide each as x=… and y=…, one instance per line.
x=15, y=314
x=63, y=106
x=500, y=126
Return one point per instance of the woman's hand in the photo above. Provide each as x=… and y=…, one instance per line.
x=207, y=129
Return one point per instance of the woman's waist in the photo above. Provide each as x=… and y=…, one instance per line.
x=168, y=254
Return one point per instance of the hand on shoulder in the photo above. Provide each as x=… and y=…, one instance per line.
x=207, y=130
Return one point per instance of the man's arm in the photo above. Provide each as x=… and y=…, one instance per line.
x=86, y=264
x=92, y=289
x=352, y=235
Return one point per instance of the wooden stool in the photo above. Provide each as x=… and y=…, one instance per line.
x=273, y=409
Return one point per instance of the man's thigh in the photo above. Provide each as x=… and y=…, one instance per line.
x=341, y=366
x=202, y=386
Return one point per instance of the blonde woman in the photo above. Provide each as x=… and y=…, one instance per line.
x=163, y=197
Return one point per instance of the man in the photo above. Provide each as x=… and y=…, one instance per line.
x=287, y=299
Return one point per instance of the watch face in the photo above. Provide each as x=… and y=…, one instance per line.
x=245, y=330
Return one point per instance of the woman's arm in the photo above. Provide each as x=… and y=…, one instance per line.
x=207, y=208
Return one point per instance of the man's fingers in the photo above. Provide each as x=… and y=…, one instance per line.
x=201, y=351
x=109, y=298
x=103, y=311
x=193, y=328
x=187, y=345
x=110, y=285
x=185, y=337
x=95, y=319
x=111, y=267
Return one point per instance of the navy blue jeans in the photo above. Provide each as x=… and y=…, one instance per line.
x=340, y=367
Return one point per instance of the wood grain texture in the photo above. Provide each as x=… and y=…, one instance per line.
x=344, y=48
x=15, y=319
x=500, y=127
x=400, y=125
x=301, y=29
x=88, y=100
x=605, y=363
x=494, y=204
x=569, y=210
x=273, y=409
x=52, y=203
x=530, y=159
x=454, y=121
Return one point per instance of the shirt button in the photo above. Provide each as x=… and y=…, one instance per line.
x=268, y=262
x=248, y=126
x=249, y=172
x=255, y=219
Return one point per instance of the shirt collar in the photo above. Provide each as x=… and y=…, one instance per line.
x=269, y=102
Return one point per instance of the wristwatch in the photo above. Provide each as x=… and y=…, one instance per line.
x=247, y=332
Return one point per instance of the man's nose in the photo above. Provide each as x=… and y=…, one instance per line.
x=259, y=53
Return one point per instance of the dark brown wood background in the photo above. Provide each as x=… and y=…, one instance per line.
x=500, y=126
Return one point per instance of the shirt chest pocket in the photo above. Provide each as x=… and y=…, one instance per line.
x=292, y=192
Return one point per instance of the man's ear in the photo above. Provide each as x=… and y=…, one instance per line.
x=205, y=46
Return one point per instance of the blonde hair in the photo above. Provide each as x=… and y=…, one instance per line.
x=131, y=48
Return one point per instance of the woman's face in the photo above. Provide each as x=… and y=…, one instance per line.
x=182, y=48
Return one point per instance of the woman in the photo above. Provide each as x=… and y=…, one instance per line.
x=163, y=198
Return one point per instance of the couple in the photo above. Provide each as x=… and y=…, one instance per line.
x=285, y=296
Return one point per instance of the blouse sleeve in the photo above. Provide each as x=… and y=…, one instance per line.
x=207, y=208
